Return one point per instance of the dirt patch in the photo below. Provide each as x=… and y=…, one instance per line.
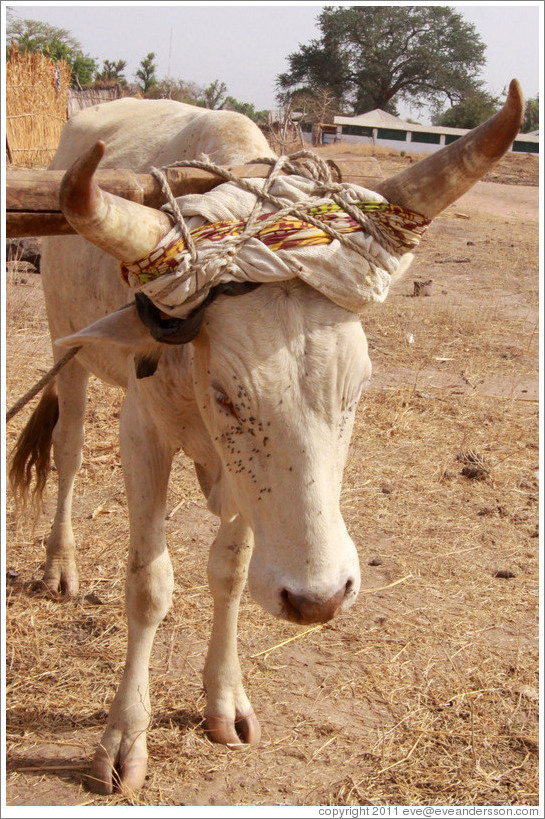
x=512, y=169
x=521, y=202
x=425, y=692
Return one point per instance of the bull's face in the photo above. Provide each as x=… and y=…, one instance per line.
x=277, y=376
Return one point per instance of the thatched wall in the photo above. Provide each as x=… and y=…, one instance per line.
x=77, y=100
x=36, y=106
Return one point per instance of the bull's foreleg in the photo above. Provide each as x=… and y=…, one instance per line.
x=121, y=758
x=61, y=572
x=229, y=715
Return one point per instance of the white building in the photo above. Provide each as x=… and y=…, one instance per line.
x=380, y=128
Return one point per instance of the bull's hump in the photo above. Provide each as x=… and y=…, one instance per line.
x=161, y=131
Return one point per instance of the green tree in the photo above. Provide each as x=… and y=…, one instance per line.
x=246, y=108
x=146, y=73
x=475, y=107
x=531, y=115
x=375, y=56
x=112, y=72
x=214, y=95
x=57, y=43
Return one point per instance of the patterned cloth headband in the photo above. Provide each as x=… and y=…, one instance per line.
x=403, y=229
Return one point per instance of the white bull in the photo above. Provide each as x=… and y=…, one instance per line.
x=262, y=400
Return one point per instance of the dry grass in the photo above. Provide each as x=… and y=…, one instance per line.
x=426, y=691
x=35, y=109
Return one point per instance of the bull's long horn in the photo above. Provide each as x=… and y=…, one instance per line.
x=125, y=229
x=432, y=184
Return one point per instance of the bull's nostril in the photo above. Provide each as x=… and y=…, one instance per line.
x=350, y=588
x=295, y=605
x=291, y=606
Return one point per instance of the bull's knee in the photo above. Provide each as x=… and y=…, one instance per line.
x=149, y=590
x=228, y=566
x=67, y=457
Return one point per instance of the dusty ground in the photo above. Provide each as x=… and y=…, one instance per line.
x=426, y=691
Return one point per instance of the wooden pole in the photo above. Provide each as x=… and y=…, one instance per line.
x=32, y=196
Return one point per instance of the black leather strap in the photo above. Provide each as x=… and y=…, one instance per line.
x=169, y=330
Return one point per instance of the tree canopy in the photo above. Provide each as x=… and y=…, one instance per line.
x=174, y=88
x=56, y=43
x=214, y=94
x=531, y=115
x=375, y=56
x=112, y=72
x=476, y=107
x=146, y=73
x=316, y=105
x=246, y=108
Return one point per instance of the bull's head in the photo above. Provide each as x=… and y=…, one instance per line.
x=277, y=374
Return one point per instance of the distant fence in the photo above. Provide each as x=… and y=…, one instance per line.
x=77, y=100
x=36, y=107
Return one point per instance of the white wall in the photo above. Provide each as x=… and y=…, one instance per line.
x=397, y=145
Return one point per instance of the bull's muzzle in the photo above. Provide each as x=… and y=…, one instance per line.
x=305, y=610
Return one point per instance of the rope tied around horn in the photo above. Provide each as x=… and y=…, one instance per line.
x=312, y=210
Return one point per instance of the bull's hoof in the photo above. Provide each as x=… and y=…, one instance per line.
x=61, y=577
x=66, y=585
x=105, y=776
x=243, y=730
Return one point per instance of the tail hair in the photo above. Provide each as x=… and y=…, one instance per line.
x=31, y=456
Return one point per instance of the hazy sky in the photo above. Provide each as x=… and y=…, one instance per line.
x=246, y=45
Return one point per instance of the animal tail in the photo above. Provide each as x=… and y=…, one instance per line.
x=32, y=452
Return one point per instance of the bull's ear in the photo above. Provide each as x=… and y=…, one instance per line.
x=123, y=328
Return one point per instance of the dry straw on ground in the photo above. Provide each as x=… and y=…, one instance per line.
x=426, y=691
x=36, y=106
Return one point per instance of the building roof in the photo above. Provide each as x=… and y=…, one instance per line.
x=374, y=119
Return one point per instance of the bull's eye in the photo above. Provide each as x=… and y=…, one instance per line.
x=222, y=400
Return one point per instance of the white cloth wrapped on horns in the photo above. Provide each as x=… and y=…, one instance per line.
x=337, y=271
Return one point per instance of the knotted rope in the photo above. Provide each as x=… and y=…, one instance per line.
x=311, y=210
x=315, y=170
